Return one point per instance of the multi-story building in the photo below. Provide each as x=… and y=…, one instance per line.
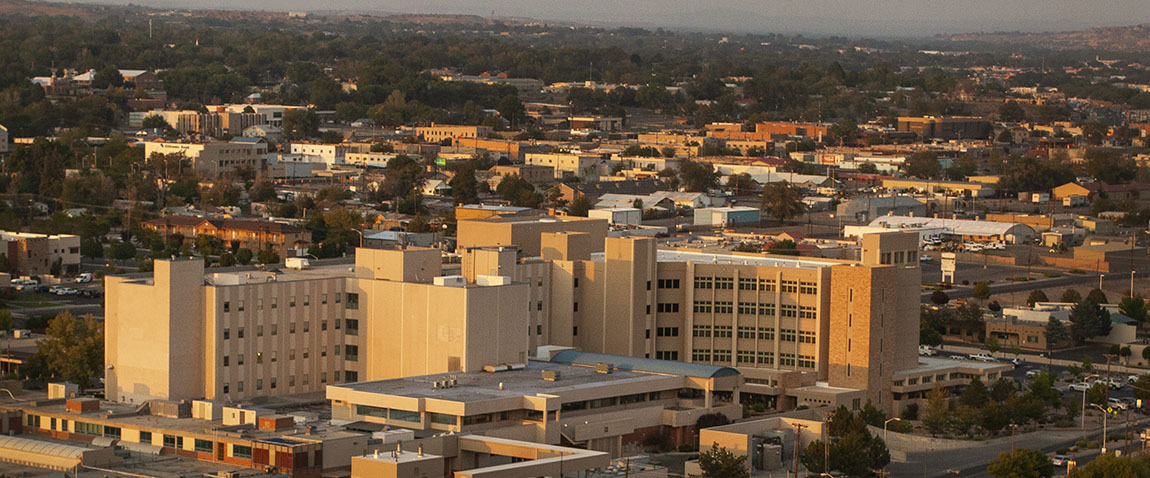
x=35, y=254
x=213, y=123
x=285, y=239
x=437, y=133
x=178, y=334
x=946, y=127
x=214, y=159
x=329, y=154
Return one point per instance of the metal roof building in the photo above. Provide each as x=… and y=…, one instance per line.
x=964, y=229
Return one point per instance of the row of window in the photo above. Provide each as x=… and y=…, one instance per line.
x=350, y=376
x=351, y=354
x=745, y=332
x=273, y=329
x=750, y=308
x=274, y=302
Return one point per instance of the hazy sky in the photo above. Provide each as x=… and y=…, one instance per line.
x=825, y=17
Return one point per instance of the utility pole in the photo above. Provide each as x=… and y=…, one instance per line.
x=1109, y=357
x=798, y=441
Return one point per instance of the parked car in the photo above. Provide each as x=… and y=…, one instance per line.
x=1116, y=404
x=925, y=258
x=1080, y=386
x=926, y=350
x=66, y=291
x=1015, y=361
x=983, y=357
x=1059, y=460
x=84, y=278
x=42, y=289
x=1033, y=373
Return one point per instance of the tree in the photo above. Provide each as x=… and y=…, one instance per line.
x=1142, y=385
x=244, y=256
x=518, y=191
x=1125, y=352
x=1097, y=296
x=784, y=247
x=1023, y=463
x=981, y=290
x=1097, y=394
x=1036, y=296
x=268, y=256
x=975, y=395
x=698, y=177
x=1011, y=112
x=923, y=165
x=300, y=124
x=1089, y=320
x=939, y=297
x=512, y=110
x=464, y=186
x=1146, y=354
x=782, y=200
x=580, y=206
x=121, y=250
x=1055, y=332
x=73, y=349
x=1133, y=307
x=720, y=463
x=6, y=323
x=1071, y=296
x=937, y=412
x=853, y=450
x=741, y=184
x=992, y=345
x=1110, y=466
x=845, y=130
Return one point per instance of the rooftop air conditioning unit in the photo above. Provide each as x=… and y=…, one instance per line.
x=603, y=367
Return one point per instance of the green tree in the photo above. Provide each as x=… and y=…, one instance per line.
x=1097, y=394
x=981, y=290
x=853, y=450
x=1089, y=320
x=580, y=206
x=512, y=110
x=1071, y=296
x=1133, y=307
x=937, y=411
x=121, y=250
x=992, y=345
x=1097, y=296
x=1011, y=112
x=782, y=200
x=464, y=186
x=1125, y=352
x=268, y=256
x=300, y=124
x=518, y=191
x=1110, y=466
x=6, y=322
x=975, y=395
x=73, y=349
x=1142, y=385
x=1036, y=296
x=698, y=177
x=1023, y=463
x=721, y=463
x=1055, y=332
x=923, y=165
x=244, y=256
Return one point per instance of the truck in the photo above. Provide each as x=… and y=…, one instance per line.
x=1039, y=198
x=1074, y=201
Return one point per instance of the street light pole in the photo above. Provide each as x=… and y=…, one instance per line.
x=1013, y=427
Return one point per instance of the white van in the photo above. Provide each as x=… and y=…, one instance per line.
x=926, y=350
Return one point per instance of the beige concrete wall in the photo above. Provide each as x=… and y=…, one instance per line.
x=413, y=264
x=524, y=233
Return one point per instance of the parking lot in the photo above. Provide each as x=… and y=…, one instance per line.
x=80, y=298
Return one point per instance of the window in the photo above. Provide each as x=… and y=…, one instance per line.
x=745, y=357
x=323, y=377
x=259, y=357
x=337, y=349
x=273, y=383
x=240, y=306
x=275, y=302
x=648, y=309
x=227, y=306
x=306, y=300
x=575, y=331
x=787, y=335
x=241, y=451
x=240, y=333
x=648, y=285
x=226, y=387
x=767, y=285
x=352, y=326
x=669, y=307
x=667, y=332
x=702, y=306
x=576, y=282
x=291, y=327
x=225, y=360
x=203, y=446
x=806, y=312
x=259, y=304
x=273, y=356
x=702, y=331
x=767, y=309
x=725, y=283
x=351, y=353
x=1032, y=338
x=291, y=380
x=806, y=337
x=704, y=282
x=259, y=331
x=786, y=360
x=240, y=386
x=748, y=283
x=806, y=361
x=766, y=333
x=723, y=331
x=291, y=301
x=259, y=384
x=747, y=308
x=884, y=258
x=790, y=286
x=275, y=329
x=337, y=324
x=305, y=353
x=722, y=355
x=169, y=441
x=809, y=288
x=723, y=307
x=701, y=355
x=145, y=437
x=338, y=297
x=668, y=283
x=441, y=418
x=766, y=358
x=323, y=298
x=240, y=359
x=788, y=310
x=746, y=332
x=538, y=305
x=307, y=326
x=323, y=324
x=352, y=301
x=667, y=354
x=576, y=307
x=227, y=333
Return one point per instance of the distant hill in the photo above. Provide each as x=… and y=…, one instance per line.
x=40, y=9
x=1134, y=38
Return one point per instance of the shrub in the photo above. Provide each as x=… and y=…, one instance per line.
x=910, y=412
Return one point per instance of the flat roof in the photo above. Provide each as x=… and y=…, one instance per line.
x=576, y=357
x=935, y=364
x=483, y=386
x=671, y=255
x=958, y=226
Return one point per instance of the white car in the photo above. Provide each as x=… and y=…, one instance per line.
x=983, y=358
x=1116, y=403
x=926, y=350
x=1079, y=386
x=925, y=258
x=84, y=278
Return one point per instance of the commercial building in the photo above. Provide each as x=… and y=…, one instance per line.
x=866, y=209
x=596, y=123
x=177, y=334
x=532, y=173
x=212, y=123
x=35, y=254
x=595, y=401
x=974, y=189
x=1025, y=328
x=787, y=130
x=437, y=133
x=255, y=235
x=214, y=159
x=960, y=229
x=946, y=127
x=328, y=154
x=727, y=216
x=567, y=164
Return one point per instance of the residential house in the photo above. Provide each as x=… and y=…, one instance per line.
x=286, y=240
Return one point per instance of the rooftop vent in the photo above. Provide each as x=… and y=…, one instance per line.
x=551, y=375
x=603, y=367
